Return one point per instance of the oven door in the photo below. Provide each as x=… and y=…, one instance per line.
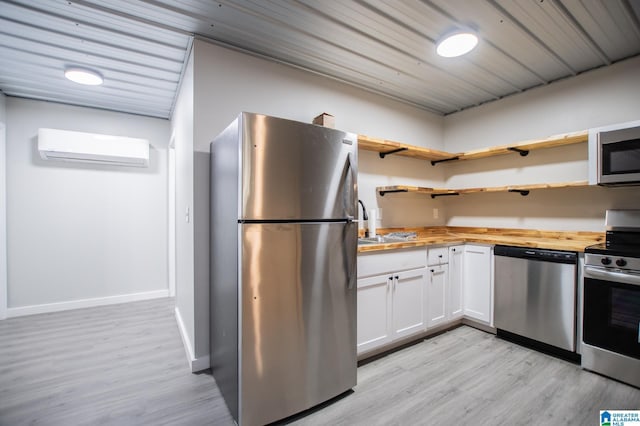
x=619, y=156
x=612, y=310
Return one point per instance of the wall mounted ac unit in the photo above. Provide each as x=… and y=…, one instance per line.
x=66, y=145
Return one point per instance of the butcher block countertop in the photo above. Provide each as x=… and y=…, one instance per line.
x=555, y=240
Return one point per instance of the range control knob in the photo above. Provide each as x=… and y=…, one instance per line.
x=605, y=261
x=621, y=262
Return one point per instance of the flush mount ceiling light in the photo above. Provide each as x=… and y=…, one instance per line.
x=84, y=76
x=456, y=44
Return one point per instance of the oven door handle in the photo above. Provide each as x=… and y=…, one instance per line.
x=618, y=277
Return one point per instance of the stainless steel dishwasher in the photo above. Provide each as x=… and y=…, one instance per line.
x=535, y=298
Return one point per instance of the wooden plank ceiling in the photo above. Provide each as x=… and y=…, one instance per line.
x=384, y=46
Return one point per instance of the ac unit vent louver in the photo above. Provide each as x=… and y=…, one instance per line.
x=65, y=145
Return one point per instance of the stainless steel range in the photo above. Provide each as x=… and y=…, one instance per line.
x=611, y=320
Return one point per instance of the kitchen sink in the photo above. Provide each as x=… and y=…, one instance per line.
x=383, y=239
x=363, y=241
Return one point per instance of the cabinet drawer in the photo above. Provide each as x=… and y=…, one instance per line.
x=377, y=263
x=438, y=255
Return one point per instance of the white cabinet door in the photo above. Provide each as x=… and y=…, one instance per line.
x=477, y=280
x=436, y=301
x=455, y=308
x=374, y=312
x=408, y=302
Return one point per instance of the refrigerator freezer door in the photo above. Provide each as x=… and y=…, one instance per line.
x=296, y=171
x=298, y=316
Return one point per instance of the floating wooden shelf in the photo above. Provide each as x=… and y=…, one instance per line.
x=438, y=192
x=526, y=146
x=386, y=147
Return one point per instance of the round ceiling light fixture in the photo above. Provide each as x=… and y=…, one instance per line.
x=84, y=76
x=456, y=44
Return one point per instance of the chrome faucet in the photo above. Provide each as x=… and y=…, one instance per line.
x=365, y=216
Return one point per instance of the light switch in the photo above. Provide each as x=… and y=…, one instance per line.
x=187, y=217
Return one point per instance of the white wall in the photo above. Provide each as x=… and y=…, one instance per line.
x=604, y=96
x=3, y=108
x=80, y=234
x=182, y=129
x=3, y=210
x=229, y=82
x=201, y=264
x=596, y=98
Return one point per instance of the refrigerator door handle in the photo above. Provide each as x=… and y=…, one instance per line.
x=352, y=272
x=354, y=178
x=354, y=173
x=351, y=258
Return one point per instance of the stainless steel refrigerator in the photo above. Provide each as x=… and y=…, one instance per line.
x=283, y=266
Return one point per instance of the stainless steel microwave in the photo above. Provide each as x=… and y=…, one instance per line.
x=614, y=155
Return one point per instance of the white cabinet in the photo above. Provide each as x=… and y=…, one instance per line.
x=399, y=296
x=455, y=308
x=478, y=282
x=408, y=292
x=390, y=261
x=390, y=303
x=437, y=255
x=374, y=312
x=436, y=301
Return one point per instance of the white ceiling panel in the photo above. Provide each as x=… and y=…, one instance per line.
x=612, y=25
x=384, y=46
x=551, y=26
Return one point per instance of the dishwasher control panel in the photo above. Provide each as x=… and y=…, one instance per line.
x=544, y=255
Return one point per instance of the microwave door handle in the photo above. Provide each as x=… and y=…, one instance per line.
x=618, y=277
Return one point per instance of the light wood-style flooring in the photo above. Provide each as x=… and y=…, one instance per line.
x=125, y=365
x=113, y=365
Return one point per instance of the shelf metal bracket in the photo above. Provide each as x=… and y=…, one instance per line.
x=523, y=192
x=444, y=195
x=390, y=191
x=522, y=152
x=393, y=151
x=434, y=162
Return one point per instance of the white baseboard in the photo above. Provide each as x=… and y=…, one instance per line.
x=196, y=364
x=84, y=303
x=200, y=363
x=186, y=342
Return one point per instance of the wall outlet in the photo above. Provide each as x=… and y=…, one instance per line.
x=436, y=213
